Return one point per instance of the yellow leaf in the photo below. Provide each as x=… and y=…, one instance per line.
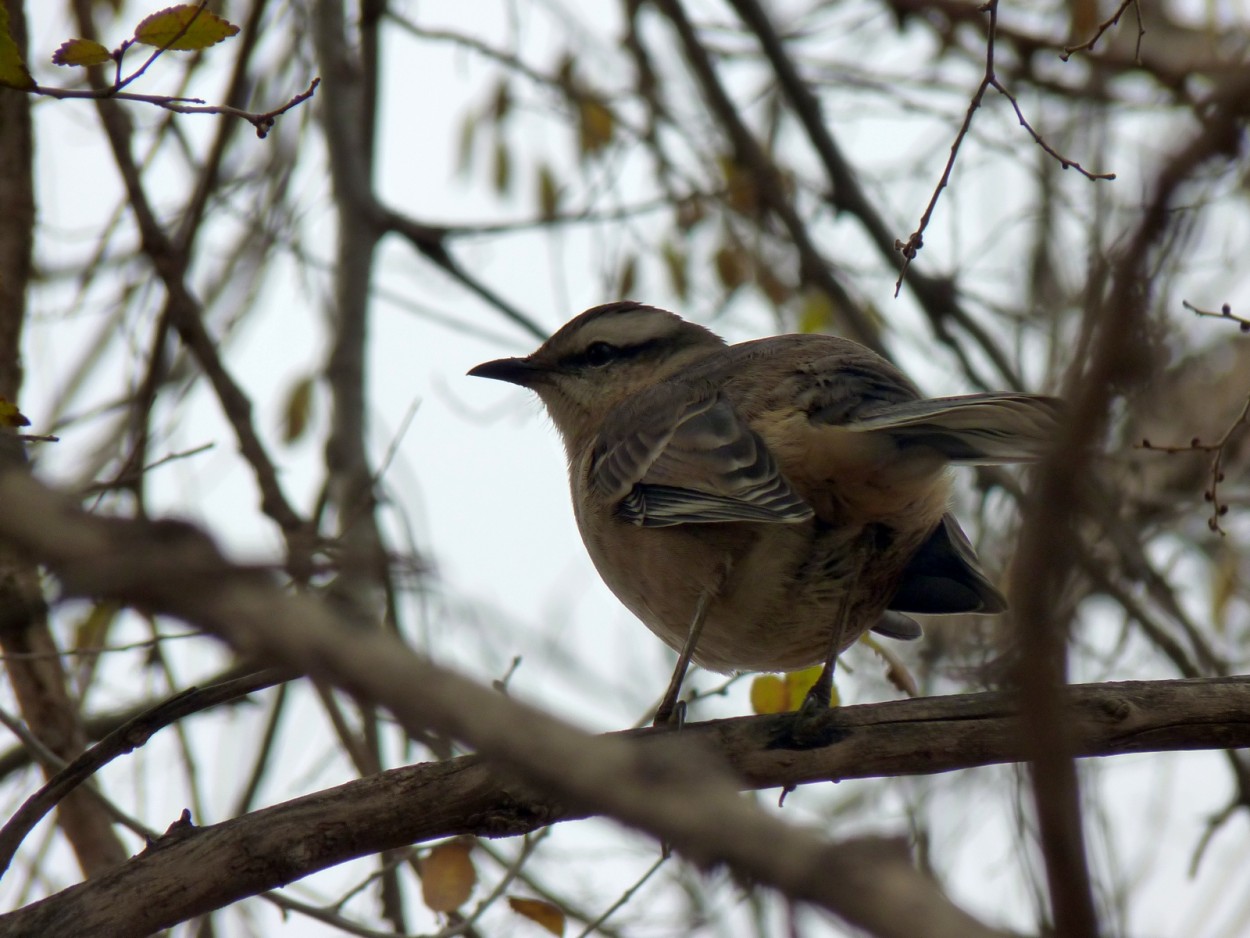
x=595, y=124
x=10, y=416
x=13, y=71
x=81, y=52
x=798, y=683
x=545, y=914
x=184, y=28
x=816, y=313
x=783, y=693
x=448, y=876
x=768, y=694
x=298, y=410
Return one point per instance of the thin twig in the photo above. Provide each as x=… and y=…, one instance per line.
x=262, y=121
x=911, y=247
x=1218, y=448
x=1106, y=24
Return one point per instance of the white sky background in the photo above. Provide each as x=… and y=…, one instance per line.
x=479, y=473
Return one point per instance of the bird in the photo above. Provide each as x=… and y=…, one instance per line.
x=760, y=506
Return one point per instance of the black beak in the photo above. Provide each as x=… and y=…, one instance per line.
x=520, y=371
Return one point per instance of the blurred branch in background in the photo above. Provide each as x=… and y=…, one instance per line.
x=218, y=329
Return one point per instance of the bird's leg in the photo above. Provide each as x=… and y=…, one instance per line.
x=817, y=699
x=668, y=708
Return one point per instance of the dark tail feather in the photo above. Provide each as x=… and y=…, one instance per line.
x=944, y=576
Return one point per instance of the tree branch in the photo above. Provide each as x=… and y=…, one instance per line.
x=670, y=788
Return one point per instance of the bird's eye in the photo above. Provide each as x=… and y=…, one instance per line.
x=600, y=353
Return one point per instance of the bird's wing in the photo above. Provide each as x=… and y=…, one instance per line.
x=676, y=456
x=975, y=429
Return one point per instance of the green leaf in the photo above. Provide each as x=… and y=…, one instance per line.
x=13, y=71
x=184, y=28
x=81, y=52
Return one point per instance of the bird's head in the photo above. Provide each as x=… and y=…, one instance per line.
x=600, y=359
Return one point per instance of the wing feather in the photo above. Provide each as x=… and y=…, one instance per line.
x=676, y=456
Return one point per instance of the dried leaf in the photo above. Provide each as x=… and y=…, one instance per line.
x=564, y=72
x=297, y=413
x=690, y=212
x=895, y=671
x=467, y=138
x=501, y=103
x=81, y=52
x=733, y=266
x=628, y=277
x=501, y=174
x=548, y=193
x=549, y=916
x=595, y=123
x=448, y=876
x=677, y=261
x=777, y=290
x=13, y=70
x=184, y=28
x=741, y=192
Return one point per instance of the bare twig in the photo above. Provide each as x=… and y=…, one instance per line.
x=937, y=295
x=1106, y=24
x=748, y=152
x=262, y=121
x=915, y=240
x=1218, y=449
x=1225, y=312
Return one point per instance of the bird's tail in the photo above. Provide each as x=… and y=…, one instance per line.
x=974, y=429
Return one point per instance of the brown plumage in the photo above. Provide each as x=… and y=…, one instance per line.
x=795, y=486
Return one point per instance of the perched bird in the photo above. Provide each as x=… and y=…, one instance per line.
x=760, y=506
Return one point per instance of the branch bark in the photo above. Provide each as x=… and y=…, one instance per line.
x=268, y=848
